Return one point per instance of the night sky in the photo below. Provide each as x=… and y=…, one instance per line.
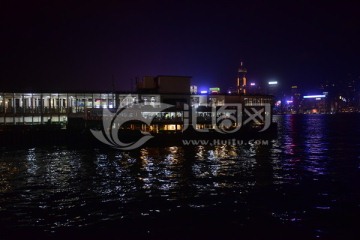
x=66, y=46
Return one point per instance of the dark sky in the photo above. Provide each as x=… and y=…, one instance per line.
x=61, y=45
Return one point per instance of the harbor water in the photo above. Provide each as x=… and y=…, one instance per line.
x=303, y=185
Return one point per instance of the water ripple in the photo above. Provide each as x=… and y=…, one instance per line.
x=306, y=180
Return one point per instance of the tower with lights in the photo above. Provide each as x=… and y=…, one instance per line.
x=241, y=79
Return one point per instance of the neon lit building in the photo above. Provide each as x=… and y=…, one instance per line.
x=241, y=79
x=314, y=104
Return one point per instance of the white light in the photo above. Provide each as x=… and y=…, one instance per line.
x=253, y=84
x=315, y=96
x=203, y=92
x=273, y=82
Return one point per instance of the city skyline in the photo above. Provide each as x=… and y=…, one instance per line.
x=90, y=46
x=171, y=119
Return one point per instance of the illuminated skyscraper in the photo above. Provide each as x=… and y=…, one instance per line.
x=295, y=98
x=241, y=79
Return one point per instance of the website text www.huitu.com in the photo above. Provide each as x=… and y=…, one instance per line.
x=232, y=142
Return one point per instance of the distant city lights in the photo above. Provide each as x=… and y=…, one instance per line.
x=203, y=92
x=315, y=96
x=273, y=83
x=215, y=90
x=342, y=98
x=252, y=84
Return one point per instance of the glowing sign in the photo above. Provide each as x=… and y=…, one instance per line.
x=214, y=90
x=204, y=92
x=273, y=82
x=315, y=96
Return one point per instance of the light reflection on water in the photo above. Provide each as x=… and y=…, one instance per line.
x=301, y=180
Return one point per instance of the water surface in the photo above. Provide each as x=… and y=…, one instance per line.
x=304, y=185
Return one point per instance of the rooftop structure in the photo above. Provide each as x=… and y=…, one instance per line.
x=164, y=84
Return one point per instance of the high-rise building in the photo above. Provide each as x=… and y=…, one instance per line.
x=253, y=88
x=273, y=89
x=241, y=79
x=295, y=98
